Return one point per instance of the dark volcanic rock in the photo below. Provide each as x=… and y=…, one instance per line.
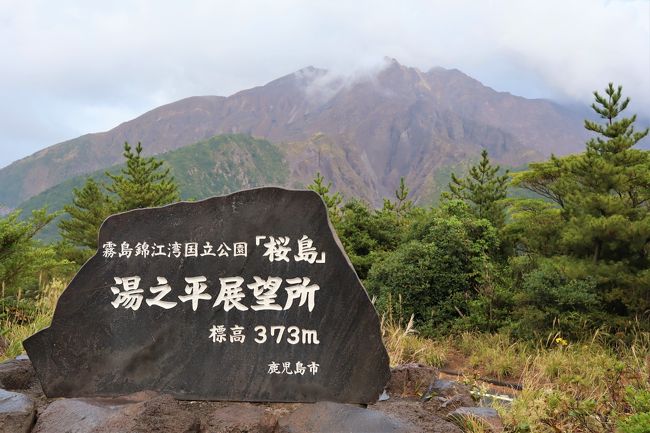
x=74, y=416
x=201, y=317
x=16, y=412
x=99, y=415
x=16, y=374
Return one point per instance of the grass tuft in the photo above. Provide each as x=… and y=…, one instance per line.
x=404, y=345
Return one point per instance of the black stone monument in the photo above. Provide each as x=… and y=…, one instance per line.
x=246, y=297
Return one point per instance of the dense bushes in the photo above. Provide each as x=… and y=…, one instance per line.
x=437, y=268
x=548, y=298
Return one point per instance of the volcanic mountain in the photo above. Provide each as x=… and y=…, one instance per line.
x=363, y=134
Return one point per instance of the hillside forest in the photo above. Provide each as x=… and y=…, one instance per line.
x=539, y=276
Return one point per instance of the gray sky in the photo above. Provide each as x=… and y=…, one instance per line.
x=73, y=67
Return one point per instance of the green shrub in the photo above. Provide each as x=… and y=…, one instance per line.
x=436, y=272
x=549, y=302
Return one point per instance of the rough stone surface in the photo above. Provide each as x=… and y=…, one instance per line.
x=327, y=417
x=16, y=374
x=161, y=413
x=490, y=417
x=444, y=396
x=94, y=348
x=241, y=418
x=151, y=412
x=416, y=413
x=16, y=412
x=448, y=388
x=411, y=380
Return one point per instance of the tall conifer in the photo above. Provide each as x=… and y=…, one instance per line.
x=143, y=182
x=483, y=189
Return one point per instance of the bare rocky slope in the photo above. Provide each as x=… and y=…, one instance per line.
x=363, y=134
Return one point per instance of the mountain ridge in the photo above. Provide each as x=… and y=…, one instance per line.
x=398, y=122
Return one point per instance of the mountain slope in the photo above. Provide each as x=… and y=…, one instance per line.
x=216, y=166
x=399, y=122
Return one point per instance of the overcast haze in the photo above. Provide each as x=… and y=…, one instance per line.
x=69, y=68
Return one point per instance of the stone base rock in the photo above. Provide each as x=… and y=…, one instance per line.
x=326, y=417
x=16, y=412
x=146, y=412
x=242, y=417
x=150, y=412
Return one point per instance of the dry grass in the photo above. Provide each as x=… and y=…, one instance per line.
x=404, y=345
x=585, y=387
x=494, y=355
x=471, y=424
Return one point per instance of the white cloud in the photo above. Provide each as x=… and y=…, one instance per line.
x=71, y=67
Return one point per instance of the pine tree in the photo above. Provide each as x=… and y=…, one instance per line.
x=607, y=210
x=603, y=205
x=22, y=257
x=142, y=183
x=403, y=205
x=332, y=201
x=483, y=189
x=89, y=208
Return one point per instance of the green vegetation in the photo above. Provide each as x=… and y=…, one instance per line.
x=597, y=227
x=89, y=208
x=24, y=264
x=141, y=183
x=332, y=201
x=483, y=189
x=550, y=288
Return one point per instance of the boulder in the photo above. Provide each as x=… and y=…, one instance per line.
x=414, y=412
x=234, y=272
x=150, y=412
x=17, y=412
x=91, y=414
x=16, y=374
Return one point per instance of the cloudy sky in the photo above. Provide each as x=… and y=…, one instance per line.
x=73, y=67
